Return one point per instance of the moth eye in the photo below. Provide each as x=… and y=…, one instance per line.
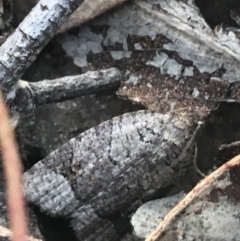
x=76, y=167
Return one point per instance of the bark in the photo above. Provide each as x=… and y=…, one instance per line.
x=69, y=87
x=31, y=95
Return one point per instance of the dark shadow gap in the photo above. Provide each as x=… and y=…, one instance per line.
x=216, y=12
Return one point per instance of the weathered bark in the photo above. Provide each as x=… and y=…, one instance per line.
x=69, y=87
x=31, y=95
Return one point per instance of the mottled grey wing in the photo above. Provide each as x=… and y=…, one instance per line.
x=107, y=168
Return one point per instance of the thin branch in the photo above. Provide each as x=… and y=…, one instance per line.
x=195, y=162
x=31, y=95
x=13, y=174
x=22, y=47
x=69, y=87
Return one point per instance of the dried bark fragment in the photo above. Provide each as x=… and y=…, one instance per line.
x=106, y=169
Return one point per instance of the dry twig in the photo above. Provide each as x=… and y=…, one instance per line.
x=13, y=174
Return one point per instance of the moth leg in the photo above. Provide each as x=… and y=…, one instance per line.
x=235, y=16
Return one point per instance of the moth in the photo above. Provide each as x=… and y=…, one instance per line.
x=105, y=170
